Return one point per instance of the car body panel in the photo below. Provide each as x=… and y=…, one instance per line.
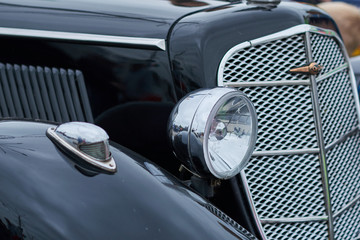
x=207, y=36
x=44, y=194
x=151, y=18
x=145, y=82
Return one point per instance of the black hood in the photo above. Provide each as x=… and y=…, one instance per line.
x=43, y=195
x=140, y=18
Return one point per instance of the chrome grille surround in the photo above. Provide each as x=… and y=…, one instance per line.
x=303, y=179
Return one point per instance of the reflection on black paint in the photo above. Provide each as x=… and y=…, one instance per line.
x=14, y=147
x=11, y=231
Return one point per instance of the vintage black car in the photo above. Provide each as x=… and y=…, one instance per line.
x=226, y=120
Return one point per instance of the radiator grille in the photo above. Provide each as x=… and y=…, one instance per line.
x=266, y=62
x=286, y=186
x=43, y=93
x=347, y=226
x=344, y=172
x=327, y=52
x=297, y=231
x=338, y=112
x=286, y=177
x=275, y=106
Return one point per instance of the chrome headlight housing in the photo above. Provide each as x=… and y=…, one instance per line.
x=214, y=131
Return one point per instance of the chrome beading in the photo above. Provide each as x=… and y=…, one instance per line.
x=303, y=180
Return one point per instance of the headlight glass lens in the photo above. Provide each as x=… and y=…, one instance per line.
x=230, y=137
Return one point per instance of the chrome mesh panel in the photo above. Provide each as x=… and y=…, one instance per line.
x=347, y=226
x=286, y=186
x=327, y=52
x=344, y=172
x=300, y=231
x=274, y=107
x=338, y=112
x=266, y=62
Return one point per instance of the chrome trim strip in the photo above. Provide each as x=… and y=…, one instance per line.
x=293, y=31
x=353, y=82
x=320, y=138
x=347, y=206
x=84, y=37
x=294, y=220
x=273, y=83
x=249, y=198
x=341, y=139
x=332, y=72
x=286, y=152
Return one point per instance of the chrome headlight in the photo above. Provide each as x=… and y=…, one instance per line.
x=214, y=131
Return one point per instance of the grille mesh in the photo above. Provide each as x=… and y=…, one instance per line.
x=337, y=106
x=274, y=107
x=290, y=186
x=347, y=226
x=286, y=186
x=300, y=231
x=266, y=62
x=327, y=52
x=344, y=172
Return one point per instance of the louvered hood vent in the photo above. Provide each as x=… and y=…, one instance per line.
x=43, y=93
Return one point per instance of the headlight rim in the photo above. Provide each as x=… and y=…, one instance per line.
x=254, y=126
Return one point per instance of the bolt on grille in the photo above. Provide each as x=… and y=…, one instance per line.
x=300, y=117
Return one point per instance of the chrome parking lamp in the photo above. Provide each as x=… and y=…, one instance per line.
x=86, y=142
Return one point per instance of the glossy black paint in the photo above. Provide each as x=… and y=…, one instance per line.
x=209, y=34
x=113, y=75
x=44, y=196
x=149, y=18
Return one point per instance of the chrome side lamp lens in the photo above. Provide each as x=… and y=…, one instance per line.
x=86, y=141
x=214, y=131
